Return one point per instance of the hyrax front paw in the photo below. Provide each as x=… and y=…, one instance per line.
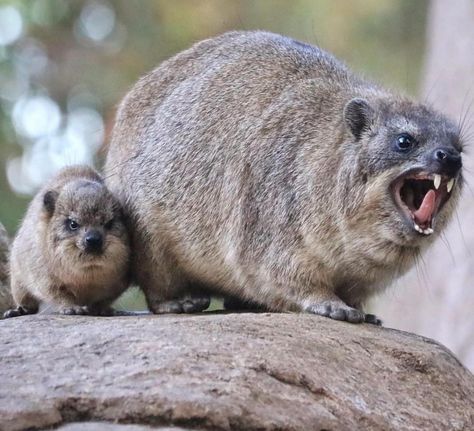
x=189, y=304
x=75, y=310
x=195, y=304
x=337, y=310
x=19, y=311
x=88, y=310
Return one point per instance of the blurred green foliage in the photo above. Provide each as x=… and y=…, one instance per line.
x=382, y=38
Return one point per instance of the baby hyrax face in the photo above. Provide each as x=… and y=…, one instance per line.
x=85, y=227
x=410, y=158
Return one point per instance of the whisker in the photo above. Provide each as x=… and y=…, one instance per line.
x=462, y=233
x=465, y=116
x=420, y=271
x=426, y=277
x=427, y=97
x=445, y=241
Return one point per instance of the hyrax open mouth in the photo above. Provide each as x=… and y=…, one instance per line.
x=420, y=196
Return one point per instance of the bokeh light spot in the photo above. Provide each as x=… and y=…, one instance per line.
x=37, y=116
x=11, y=25
x=86, y=124
x=97, y=21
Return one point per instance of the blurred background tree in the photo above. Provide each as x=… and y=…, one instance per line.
x=65, y=64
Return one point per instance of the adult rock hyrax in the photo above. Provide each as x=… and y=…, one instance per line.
x=72, y=249
x=263, y=168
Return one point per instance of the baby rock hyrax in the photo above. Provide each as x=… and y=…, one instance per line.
x=262, y=168
x=72, y=249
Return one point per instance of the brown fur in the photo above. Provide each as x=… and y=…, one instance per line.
x=247, y=164
x=50, y=262
x=6, y=300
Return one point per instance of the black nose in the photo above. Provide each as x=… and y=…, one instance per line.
x=448, y=159
x=93, y=241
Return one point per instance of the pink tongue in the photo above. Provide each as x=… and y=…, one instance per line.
x=427, y=207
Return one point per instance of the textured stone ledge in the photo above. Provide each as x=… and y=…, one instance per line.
x=226, y=372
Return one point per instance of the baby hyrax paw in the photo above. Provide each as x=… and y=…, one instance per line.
x=337, y=310
x=19, y=311
x=189, y=304
x=75, y=310
x=82, y=310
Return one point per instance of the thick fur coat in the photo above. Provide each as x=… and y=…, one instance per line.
x=51, y=258
x=261, y=167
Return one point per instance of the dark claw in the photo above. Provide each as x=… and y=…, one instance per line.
x=373, y=319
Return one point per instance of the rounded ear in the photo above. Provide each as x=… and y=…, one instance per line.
x=358, y=115
x=49, y=201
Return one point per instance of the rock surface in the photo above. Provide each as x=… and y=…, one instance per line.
x=226, y=372
x=103, y=426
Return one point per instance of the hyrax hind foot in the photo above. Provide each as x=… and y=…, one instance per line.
x=189, y=304
x=338, y=310
x=19, y=311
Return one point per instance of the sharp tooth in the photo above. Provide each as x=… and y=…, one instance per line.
x=428, y=231
x=417, y=228
x=450, y=185
x=437, y=181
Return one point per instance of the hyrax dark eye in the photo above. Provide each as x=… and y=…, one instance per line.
x=109, y=224
x=404, y=142
x=72, y=224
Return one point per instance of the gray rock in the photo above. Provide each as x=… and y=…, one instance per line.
x=226, y=372
x=104, y=426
